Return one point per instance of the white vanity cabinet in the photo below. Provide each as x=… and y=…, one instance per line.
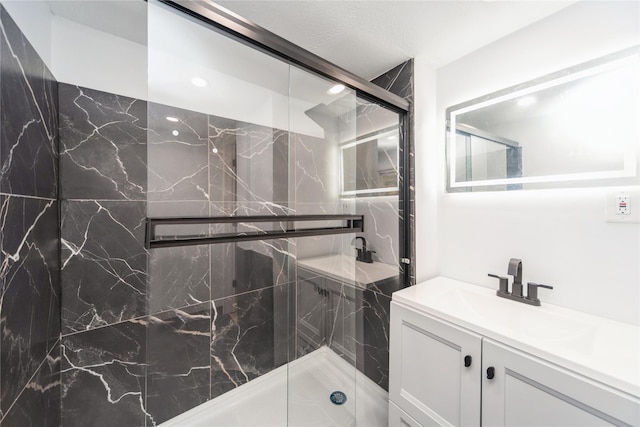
x=583, y=374
x=528, y=391
x=429, y=377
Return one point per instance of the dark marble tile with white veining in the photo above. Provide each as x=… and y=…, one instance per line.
x=104, y=263
x=179, y=276
x=244, y=344
x=103, y=150
x=28, y=112
x=103, y=376
x=398, y=80
x=249, y=162
x=314, y=170
x=178, y=374
x=343, y=312
x=39, y=402
x=30, y=303
x=375, y=316
x=254, y=270
x=222, y=159
x=382, y=227
x=177, y=154
x=312, y=302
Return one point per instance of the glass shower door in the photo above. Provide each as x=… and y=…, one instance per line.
x=273, y=216
x=217, y=145
x=344, y=160
x=322, y=362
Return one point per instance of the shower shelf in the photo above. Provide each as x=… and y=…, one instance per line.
x=351, y=224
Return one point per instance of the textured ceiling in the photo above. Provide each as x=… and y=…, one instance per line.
x=370, y=37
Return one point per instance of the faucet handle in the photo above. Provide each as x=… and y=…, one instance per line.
x=503, y=284
x=532, y=292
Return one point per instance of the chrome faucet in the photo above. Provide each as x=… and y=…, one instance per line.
x=515, y=270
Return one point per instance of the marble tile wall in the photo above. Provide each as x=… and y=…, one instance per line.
x=91, y=319
x=29, y=242
x=103, y=376
x=104, y=273
x=196, y=321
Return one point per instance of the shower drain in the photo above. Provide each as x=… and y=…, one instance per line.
x=338, y=397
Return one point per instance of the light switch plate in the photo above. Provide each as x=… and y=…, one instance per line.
x=623, y=207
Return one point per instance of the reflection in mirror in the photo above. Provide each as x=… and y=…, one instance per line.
x=576, y=127
x=375, y=157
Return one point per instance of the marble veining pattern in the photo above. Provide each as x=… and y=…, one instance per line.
x=179, y=276
x=243, y=346
x=29, y=306
x=28, y=112
x=248, y=163
x=39, y=402
x=177, y=154
x=375, y=318
x=178, y=374
x=103, y=376
x=103, y=152
x=104, y=263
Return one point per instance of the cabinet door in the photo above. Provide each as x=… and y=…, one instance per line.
x=399, y=418
x=428, y=377
x=527, y=391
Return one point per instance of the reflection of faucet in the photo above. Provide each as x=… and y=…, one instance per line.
x=363, y=254
x=515, y=270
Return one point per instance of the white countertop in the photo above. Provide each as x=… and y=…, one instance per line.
x=601, y=349
x=347, y=269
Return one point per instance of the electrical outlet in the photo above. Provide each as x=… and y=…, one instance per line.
x=623, y=206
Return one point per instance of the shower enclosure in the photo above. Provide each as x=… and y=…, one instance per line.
x=233, y=219
x=260, y=176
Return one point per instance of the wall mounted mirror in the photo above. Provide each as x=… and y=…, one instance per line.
x=576, y=127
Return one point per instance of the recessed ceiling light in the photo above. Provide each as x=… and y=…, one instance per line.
x=175, y=132
x=199, y=81
x=336, y=89
x=172, y=119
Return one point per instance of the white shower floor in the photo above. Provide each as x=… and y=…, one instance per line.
x=303, y=400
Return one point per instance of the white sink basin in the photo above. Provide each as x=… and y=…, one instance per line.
x=534, y=323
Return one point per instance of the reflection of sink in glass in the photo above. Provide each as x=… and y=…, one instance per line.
x=539, y=324
x=346, y=268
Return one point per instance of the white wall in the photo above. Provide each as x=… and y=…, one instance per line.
x=91, y=58
x=561, y=235
x=34, y=19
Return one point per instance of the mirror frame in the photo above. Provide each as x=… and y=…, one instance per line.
x=586, y=69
